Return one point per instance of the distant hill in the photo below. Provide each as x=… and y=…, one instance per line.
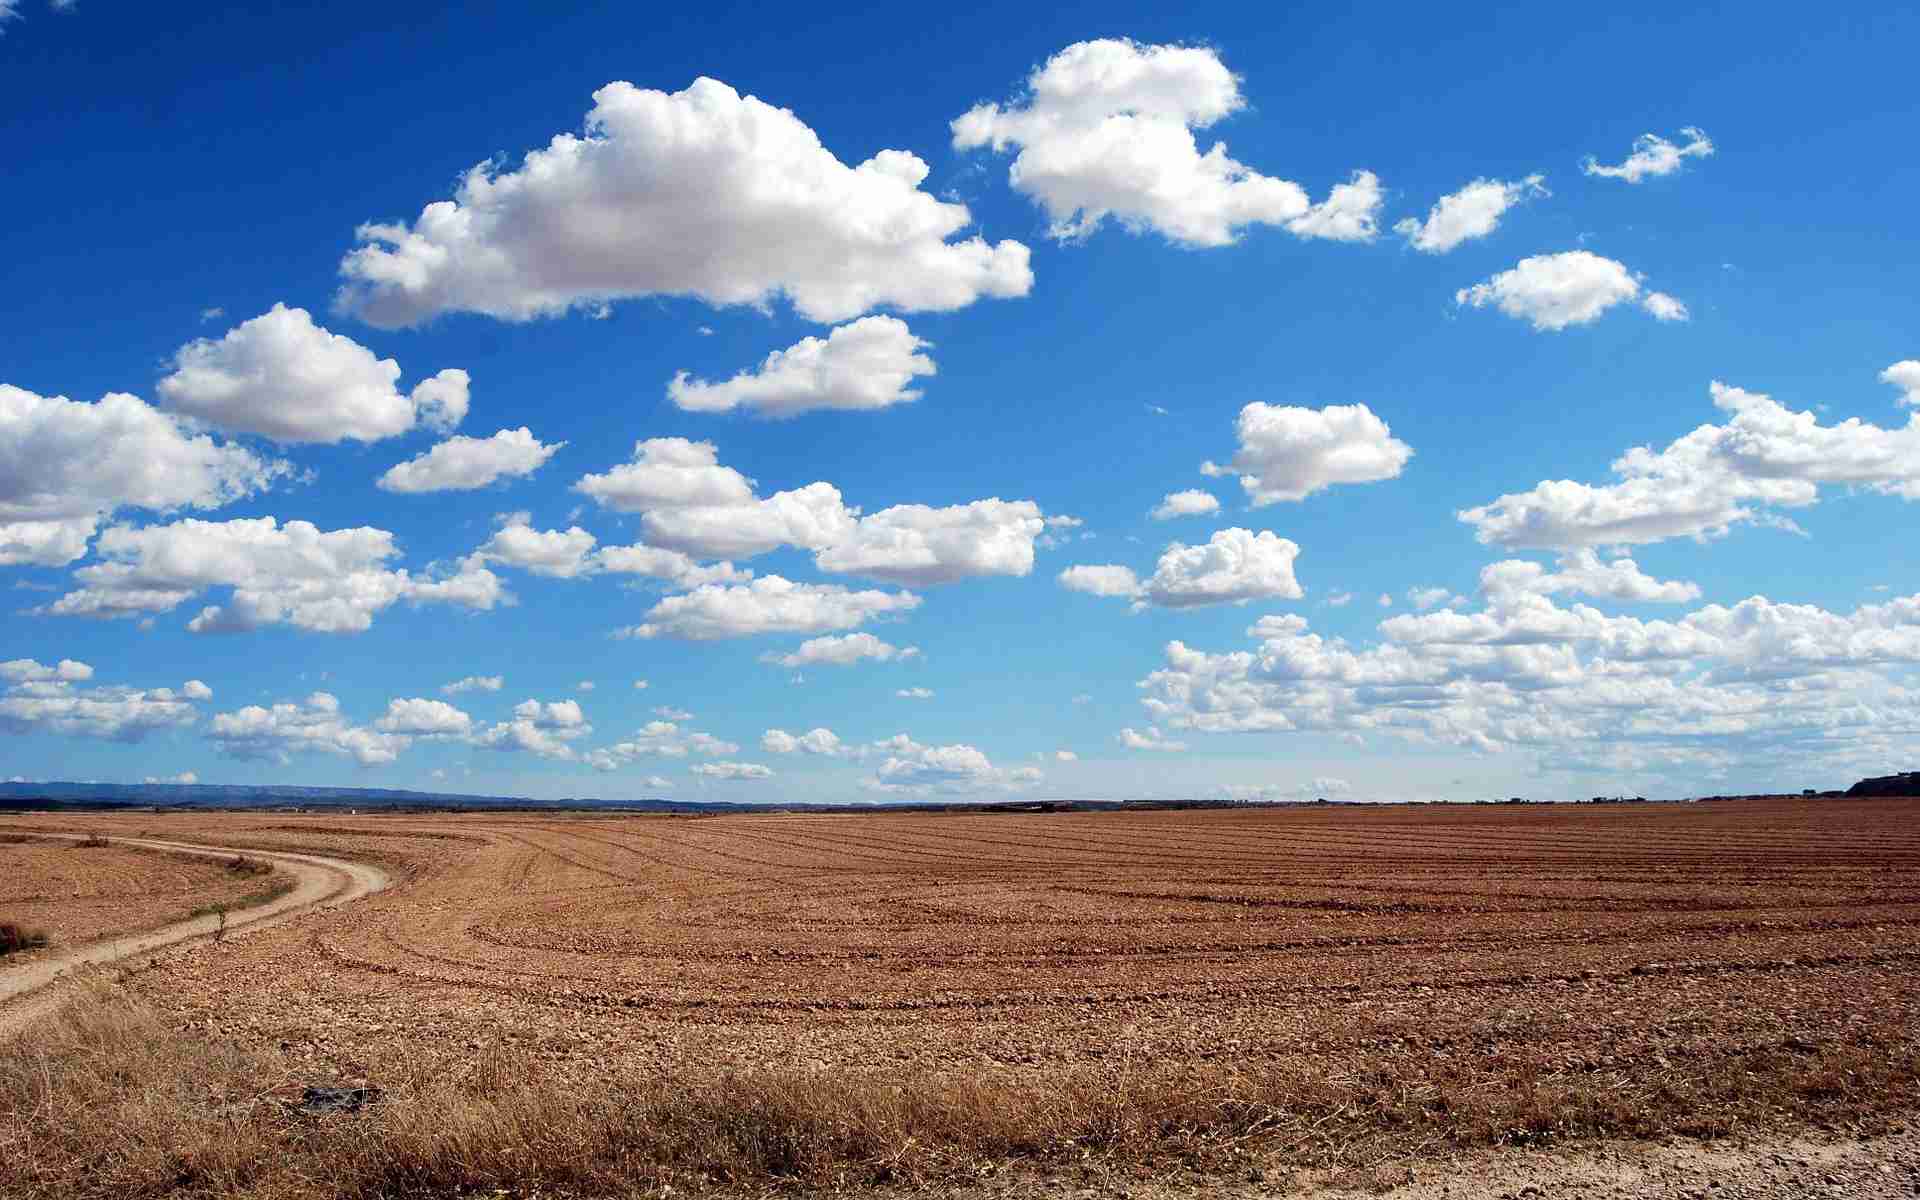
x=1904, y=784
x=213, y=795
x=97, y=796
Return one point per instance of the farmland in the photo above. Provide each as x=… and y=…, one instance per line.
x=81, y=893
x=1406, y=977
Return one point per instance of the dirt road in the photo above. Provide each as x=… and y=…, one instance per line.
x=318, y=880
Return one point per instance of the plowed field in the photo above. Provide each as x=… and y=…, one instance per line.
x=79, y=894
x=1644, y=955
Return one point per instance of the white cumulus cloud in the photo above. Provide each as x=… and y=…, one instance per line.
x=282, y=376
x=867, y=364
x=819, y=741
x=1573, y=287
x=1106, y=129
x=769, y=604
x=691, y=503
x=66, y=466
x=1905, y=376
x=1289, y=453
x=424, y=718
x=462, y=464
x=1472, y=212
x=910, y=768
x=731, y=771
x=474, y=683
x=841, y=651
x=574, y=553
x=294, y=573
x=1191, y=503
x=279, y=731
x=1764, y=457
x=40, y=698
x=917, y=545
x=702, y=192
x=1149, y=739
x=1653, y=155
x=1233, y=567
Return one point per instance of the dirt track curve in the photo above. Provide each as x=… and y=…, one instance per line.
x=25, y=991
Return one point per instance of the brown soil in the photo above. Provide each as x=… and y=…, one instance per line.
x=1421, y=980
x=81, y=894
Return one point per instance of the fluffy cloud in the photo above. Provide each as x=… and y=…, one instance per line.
x=40, y=698
x=314, y=724
x=65, y=466
x=1190, y=503
x=731, y=771
x=1574, y=287
x=1765, y=456
x=1472, y=212
x=692, y=504
x=1583, y=573
x=328, y=582
x=822, y=742
x=1320, y=787
x=659, y=739
x=474, y=683
x=696, y=506
x=910, y=768
x=1105, y=128
x=282, y=376
x=1664, y=307
x=870, y=363
x=26, y=670
x=573, y=553
x=551, y=552
x=1653, y=155
x=1233, y=567
x=462, y=464
x=916, y=545
x=1905, y=376
x=1755, y=681
x=1350, y=213
x=1104, y=579
x=543, y=728
x=1149, y=739
x=424, y=718
x=1290, y=453
x=770, y=604
x=841, y=651
x=914, y=693
x=702, y=193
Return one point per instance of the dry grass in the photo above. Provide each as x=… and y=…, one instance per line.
x=15, y=937
x=246, y=864
x=106, y=1101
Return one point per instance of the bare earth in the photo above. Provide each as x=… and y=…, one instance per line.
x=1684, y=962
x=28, y=985
x=81, y=894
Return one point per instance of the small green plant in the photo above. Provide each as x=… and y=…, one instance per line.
x=15, y=937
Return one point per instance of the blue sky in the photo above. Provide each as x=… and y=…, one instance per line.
x=1033, y=314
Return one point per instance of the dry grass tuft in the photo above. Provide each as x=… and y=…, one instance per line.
x=105, y=1100
x=244, y=864
x=15, y=937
